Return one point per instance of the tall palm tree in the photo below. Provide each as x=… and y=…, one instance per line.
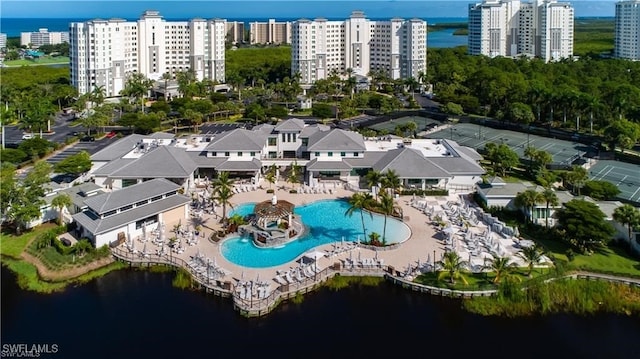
x=528, y=200
x=373, y=178
x=452, y=267
x=271, y=174
x=223, y=195
x=294, y=172
x=549, y=197
x=222, y=180
x=60, y=202
x=502, y=267
x=391, y=180
x=386, y=205
x=166, y=77
x=531, y=255
x=577, y=177
x=530, y=152
x=358, y=202
x=627, y=215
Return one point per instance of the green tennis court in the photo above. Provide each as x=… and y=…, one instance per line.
x=624, y=175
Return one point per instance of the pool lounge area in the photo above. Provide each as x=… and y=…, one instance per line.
x=326, y=223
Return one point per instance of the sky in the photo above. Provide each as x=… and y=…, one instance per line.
x=173, y=9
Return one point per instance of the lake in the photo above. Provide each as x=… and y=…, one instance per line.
x=133, y=314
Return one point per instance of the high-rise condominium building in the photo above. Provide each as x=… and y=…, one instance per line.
x=541, y=28
x=627, y=30
x=105, y=52
x=43, y=37
x=270, y=32
x=319, y=47
x=3, y=41
x=235, y=32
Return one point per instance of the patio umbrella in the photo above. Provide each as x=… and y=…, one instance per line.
x=516, y=232
x=144, y=249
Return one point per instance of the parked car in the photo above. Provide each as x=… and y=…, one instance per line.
x=110, y=134
x=87, y=139
x=27, y=136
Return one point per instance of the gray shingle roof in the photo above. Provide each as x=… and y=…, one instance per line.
x=316, y=165
x=292, y=124
x=409, y=163
x=311, y=130
x=116, y=164
x=238, y=140
x=77, y=193
x=130, y=195
x=202, y=161
x=117, y=149
x=458, y=165
x=336, y=140
x=252, y=165
x=366, y=161
x=161, y=162
x=98, y=226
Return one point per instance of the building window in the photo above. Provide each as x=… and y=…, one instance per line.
x=272, y=141
x=330, y=154
x=252, y=154
x=214, y=154
x=226, y=154
x=342, y=154
x=239, y=154
x=355, y=154
x=317, y=154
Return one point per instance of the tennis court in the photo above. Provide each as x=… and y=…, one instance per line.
x=624, y=175
x=390, y=125
x=476, y=136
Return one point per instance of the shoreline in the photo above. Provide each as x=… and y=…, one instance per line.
x=332, y=267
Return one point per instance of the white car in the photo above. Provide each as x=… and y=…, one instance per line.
x=27, y=136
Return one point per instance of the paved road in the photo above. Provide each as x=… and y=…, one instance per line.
x=61, y=130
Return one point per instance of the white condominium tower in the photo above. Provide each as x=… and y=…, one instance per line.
x=541, y=28
x=319, y=47
x=105, y=52
x=627, y=30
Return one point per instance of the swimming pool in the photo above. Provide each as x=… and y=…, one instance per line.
x=326, y=223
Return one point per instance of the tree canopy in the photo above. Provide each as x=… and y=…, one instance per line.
x=584, y=225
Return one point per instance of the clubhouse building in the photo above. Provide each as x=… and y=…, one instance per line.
x=161, y=162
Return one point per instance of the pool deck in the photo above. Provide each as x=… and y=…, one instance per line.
x=419, y=247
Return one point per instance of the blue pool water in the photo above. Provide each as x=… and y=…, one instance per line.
x=326, y=222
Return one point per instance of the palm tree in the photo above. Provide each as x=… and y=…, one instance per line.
x=166, y=77
x=528, y=200
x=222, y=195
x=531, y=255
x=60, y=202
x=387, y=206
x=373, y=178
x=270, y=176
x=502, y=267
x=452, y=266
x=222, y=180
x=627, y=215
x=358, y=202
x=294, y=172
x=530, y=152
x=551, y=199
x=577, y=177
x=391, y=180
x=374, y=237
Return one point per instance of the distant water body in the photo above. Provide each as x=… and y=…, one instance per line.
x=14, y=26
x=137, y=314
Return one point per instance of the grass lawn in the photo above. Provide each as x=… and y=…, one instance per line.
x=611, y=260
x=40, y=61
x=12, y=246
